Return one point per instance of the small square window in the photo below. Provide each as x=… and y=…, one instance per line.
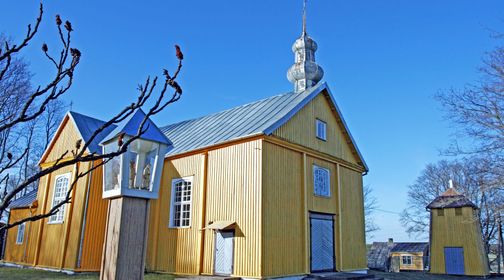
x=407, y=260
x=458, y=211
x=440, y=212
x=321, y=128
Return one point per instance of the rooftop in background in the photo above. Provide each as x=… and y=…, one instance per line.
x=410, y=247
x=24, y=201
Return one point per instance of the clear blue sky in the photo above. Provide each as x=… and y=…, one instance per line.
x=384, y=61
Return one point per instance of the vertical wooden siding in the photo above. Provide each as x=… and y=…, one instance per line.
x=285, y=241
x=233, y=193
x=20, y=253
x=96, y=219
x=353, y=239
x=417, y=261
x=458, y=231
x=65, y=140
x=283, y=230
x=176, y=248
x=301, y=130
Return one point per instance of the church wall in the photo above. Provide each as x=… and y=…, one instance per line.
x=230, y=179
x=300, y=129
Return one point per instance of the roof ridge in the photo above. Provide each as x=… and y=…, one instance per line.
x=84, y=115
x=227, y=110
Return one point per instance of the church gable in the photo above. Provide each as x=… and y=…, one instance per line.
x=302, y=129
x=64, y=140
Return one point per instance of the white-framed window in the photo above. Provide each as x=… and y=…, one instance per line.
x=181, y=202
x=407, y=260
x=321, y=181
x=321, y=129
x=20, y=233
x=60, y=191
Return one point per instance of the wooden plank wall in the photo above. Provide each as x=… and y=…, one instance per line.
x=233, y=193
x=353, y=237
x=283, y=215
x=96, y=219
x=21, y=253
x=417, y=261
x=458, y=231
x=300, y=129
x=286, y=241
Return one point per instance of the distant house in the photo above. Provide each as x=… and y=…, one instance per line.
x=378, y=256
x=455, y=236
x=409, y=256
x=398, y=256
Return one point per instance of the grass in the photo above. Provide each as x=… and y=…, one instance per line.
x=15, y=273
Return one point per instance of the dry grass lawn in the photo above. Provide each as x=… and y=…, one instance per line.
x=14, y=273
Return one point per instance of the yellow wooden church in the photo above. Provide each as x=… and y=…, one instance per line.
x=268, y=189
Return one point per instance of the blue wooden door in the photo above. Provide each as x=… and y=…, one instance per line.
x=454, y=260
x=322, y=242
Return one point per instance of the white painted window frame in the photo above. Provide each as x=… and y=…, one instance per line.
x=20, y=233
x=321, y=133
x=59, y=217
x=314, y=170
x=181, y=203
x=410, y=257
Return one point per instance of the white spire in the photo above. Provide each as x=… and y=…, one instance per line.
x=305, y=72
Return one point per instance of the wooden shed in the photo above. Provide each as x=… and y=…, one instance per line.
x=456, y=244
x=409, y=256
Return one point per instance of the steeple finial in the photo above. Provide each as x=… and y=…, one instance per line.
x=304, y=17
x=305, y=73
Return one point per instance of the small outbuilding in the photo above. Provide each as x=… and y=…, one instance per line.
x=409, y=256
x=456, y=244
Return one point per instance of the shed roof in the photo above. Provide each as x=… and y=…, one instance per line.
x=410, y=247
x=24, y=201
x=451, y=199
x=378, y=254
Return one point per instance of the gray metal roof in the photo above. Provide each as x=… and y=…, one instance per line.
x=130, y=126
x=378, y=255
x=410, y=247
x=24, y=201
x=256, y=118
x=260, y=117
x=87, y=126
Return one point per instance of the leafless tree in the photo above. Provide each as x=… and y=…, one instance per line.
x=64, y=62
x=470, y=179
x=477, y=111
x=370, y=205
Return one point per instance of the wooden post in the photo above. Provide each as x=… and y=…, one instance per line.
x=306, y=217
x=40, y=231
x=203, y=195
x=125, y=239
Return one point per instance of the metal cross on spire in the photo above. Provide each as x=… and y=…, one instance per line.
x=304, y=17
